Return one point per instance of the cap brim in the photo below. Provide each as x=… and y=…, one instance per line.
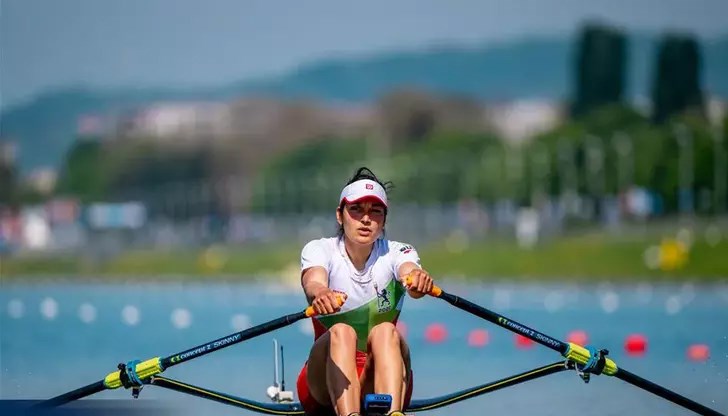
x=364, y=198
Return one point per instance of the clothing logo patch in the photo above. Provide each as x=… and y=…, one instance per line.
x=405, y=249
x=370, y=186
x=383, y=303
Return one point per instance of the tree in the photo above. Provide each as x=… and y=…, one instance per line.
x=676, y=83
x=8, y=182
x=82, y=174
x=600, y=67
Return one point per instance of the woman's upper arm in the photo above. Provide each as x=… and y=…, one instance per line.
x=314, y=263
x=315, y=274
x=406, y=259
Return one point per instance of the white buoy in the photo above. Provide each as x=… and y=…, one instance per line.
x=181, y=318
x=673, y=305
x=49, y=308
x=306, y=327
x=87, y=313
x=610, y=302
x=240, y=322
x=502, y=299
x=16, y=308
x=130, y=315
x=553, y=301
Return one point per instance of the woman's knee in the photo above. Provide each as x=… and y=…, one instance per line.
x=342, y=334
x=384, y=333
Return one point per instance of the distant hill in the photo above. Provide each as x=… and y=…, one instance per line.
x=530, y=68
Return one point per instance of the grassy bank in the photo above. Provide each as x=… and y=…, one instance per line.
x=577, y=258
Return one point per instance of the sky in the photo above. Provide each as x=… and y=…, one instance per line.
x=189, y=43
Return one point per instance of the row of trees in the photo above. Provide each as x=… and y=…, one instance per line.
x=602, y=154
x=601, y=64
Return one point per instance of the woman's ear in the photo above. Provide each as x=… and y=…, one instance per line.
x=339, y=219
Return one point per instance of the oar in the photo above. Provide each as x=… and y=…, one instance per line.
x=570, y=351
x=156, y=365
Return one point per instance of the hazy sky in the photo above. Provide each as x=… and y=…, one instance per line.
x=46, y=43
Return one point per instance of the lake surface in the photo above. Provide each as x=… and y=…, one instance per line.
x=55, y=337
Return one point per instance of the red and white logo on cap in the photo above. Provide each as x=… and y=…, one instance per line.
x=370, y=186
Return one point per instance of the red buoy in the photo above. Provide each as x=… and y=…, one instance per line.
x=635, y=344
x=523, y=342
x=435, y=333
x=478, y=338
x=698, y=352
x=578, y=337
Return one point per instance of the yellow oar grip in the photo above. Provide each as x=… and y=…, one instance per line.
x=435, y=291
x=144, y=369
x=581, y=355
x=311, y=312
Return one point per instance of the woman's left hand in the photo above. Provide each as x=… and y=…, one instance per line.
x=418, y=282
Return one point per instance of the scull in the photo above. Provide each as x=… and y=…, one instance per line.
x=584, y=361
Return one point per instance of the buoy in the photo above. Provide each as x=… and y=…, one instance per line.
x=635, y=344
x=523, y=342
x=578, y=337
x=435, y=333
x=698, y=352
x=478, y=338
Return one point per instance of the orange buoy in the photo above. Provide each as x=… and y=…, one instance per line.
x=578, y=337
x=435, y=333
x=523, y=342
x=478, y=338
x=635, y=344
x=698, y=352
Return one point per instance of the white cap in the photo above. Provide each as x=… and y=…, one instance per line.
x=363, y=189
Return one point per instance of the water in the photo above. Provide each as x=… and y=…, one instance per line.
x=60, y=336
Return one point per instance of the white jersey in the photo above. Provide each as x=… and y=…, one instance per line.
x=374, y=294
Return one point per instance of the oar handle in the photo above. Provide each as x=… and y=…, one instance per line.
x=435, y=291
x=310, y=312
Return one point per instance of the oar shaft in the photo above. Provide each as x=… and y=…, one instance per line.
x=665, y=393
x=233, y=339
x=156, y=365
x=79, y=393
x=564, y=348
x=504, y=322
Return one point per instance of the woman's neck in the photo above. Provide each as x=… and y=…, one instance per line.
x=358, y=254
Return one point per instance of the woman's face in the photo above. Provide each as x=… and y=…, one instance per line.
x=363, y=222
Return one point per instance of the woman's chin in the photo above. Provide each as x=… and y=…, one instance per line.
x=364, y=239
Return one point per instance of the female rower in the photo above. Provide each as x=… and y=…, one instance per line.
x=357, y=349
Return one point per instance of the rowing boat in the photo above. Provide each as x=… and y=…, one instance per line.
x=586, y=362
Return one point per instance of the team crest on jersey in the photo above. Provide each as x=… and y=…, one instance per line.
x=384, y=296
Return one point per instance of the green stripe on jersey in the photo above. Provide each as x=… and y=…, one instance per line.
x=370, y=314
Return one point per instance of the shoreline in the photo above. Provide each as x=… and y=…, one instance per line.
x=571, y=259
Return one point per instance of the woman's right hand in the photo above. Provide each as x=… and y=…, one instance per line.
x=327, y=302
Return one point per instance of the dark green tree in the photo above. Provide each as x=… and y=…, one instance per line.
x=82, y=174
x=8, y=181
x=600, y=68
x=676, y=83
